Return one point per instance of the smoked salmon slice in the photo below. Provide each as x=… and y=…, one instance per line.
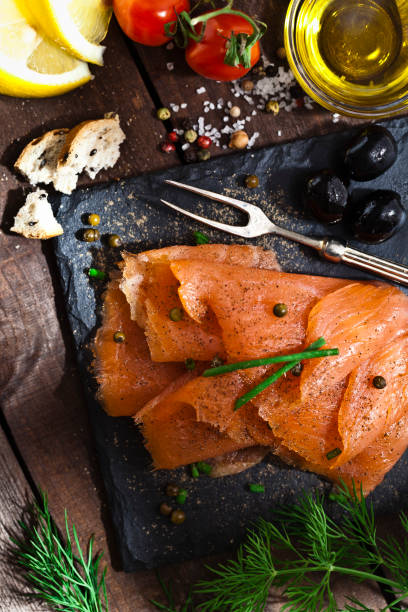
x=126, y=375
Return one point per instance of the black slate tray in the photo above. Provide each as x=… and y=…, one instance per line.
x=218, y=511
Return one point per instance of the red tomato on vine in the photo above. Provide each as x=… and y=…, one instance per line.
x=144, y=20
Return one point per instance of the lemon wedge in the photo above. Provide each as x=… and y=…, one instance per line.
x=30, y=65
x=78, y=26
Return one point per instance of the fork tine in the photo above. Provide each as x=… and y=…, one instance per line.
x=218, y=197
x=231, y=229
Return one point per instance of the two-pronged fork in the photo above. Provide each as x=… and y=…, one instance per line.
x=259, y=225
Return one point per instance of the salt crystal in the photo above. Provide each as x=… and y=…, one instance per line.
x=184, y=105
x=224, y=146
x=229, y=104
x=170, y=65
x=185, y=146
x=248, y=99
x=335, y=117
x=208, y=127
x=201, y=90
x=200, y=125
x=225, y=119
x=206, y=109
x=212, y=107
x=279, y=132
x=254, y=113
x=174, y=107
x=251, y=142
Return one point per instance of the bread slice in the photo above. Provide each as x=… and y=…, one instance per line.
x=89, y=147
x=38, y=160
x=35, y=219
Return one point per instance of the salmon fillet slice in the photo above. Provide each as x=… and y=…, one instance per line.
x=126, y=375
x=151, y=291
x=357, y=319
x=242, y=302
x=366, y=411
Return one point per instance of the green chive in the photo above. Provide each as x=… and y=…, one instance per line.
x=256, y=488
x=194, y=471
x=201, y=238
x=254, y=363
x=182, y=496
x=190, y=364
x=95, y=273
x=204, y=468
x=333, y=453
x=247, y=397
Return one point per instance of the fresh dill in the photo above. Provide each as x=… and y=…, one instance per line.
x=170, y=606
x=68, y=580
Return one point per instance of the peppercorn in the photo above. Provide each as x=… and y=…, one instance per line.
x=281, y=53
x=172, y=490
x=163, y=114
x=247, y=85
x=272, y=106
x=91, y=235
x=119, y=337
x=204, y=142
x=178, y=516
x=297, y=369
x=280, y=310
x=379, y=382
x=114, y=241
x=235, y=112
x=165, y=509
x=173, y=136
x=296, y=91
x=203, y=154
x=251, y=181
x=190, y=135
x=94, y=219
x=167, y=147
x=176, y=314
x=238, y=140
x=271, y=70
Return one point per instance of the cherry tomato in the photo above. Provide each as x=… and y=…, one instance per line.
x=143, y=20
x=207, y=56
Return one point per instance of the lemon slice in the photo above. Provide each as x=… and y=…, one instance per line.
x=30, y=65
x=76, y=25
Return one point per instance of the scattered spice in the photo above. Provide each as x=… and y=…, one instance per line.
x=281, y=53
x=248, y=85
x=201, y=238
x=280, y=310
x=297, y=369
x=333, y=453
x=272, y=106
x=163, y=114
x=194, y=471
x=204, y=467
x=167, y=147
x=91, y=235
x=235, y=112
x=173, y=136
x=203, y=155
x=190, y=364
x=172, y=490
x=256, y=488
x=176, y=314
x=190, y=136
x=94, y=219
x=119, y=337
x=251, y=181
x=114, y=240
x=95, y=273
x=204, y=142
x=379, y=382
x=238, y=140
x=178, y=517
x=165, y=509
x=182, y=496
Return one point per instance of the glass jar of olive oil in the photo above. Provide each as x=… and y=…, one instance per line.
x=351, y=56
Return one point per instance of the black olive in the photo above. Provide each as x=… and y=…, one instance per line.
x=326, y=196
x=371, y=153
x=377, y=216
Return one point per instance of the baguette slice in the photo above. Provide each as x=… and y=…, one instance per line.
x=38, y=160
x=35, y=219
x=89, y=147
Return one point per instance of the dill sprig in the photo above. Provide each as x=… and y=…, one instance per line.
x=167, y=589
x=300, y=552
x=68, y=580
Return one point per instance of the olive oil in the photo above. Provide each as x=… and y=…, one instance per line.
x=354, y=52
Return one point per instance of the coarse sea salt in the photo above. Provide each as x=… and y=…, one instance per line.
x=170, y=65
x=201, y=90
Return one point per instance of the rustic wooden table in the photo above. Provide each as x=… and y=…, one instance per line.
x=44, y=436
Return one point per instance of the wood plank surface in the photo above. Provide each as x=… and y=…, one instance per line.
x=40, y=391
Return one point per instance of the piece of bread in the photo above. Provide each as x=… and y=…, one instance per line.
x=38, y=160
x=89, y=147
x=35, y=219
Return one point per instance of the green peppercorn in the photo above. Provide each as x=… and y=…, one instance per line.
x=379, y=382
x=95, y=273
x=297, y=369
x=203, y=154
x=280, y=310
x=165, y=509
x=119, y=337
x=182, y=496
x=172, y=490
x=91, y=235
x=178, y=516
x=251, y=181
x=176, y=314
x=94, y=219
x=114, y=240
x=163, y=114
x=272, y=106
x=190, y=135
